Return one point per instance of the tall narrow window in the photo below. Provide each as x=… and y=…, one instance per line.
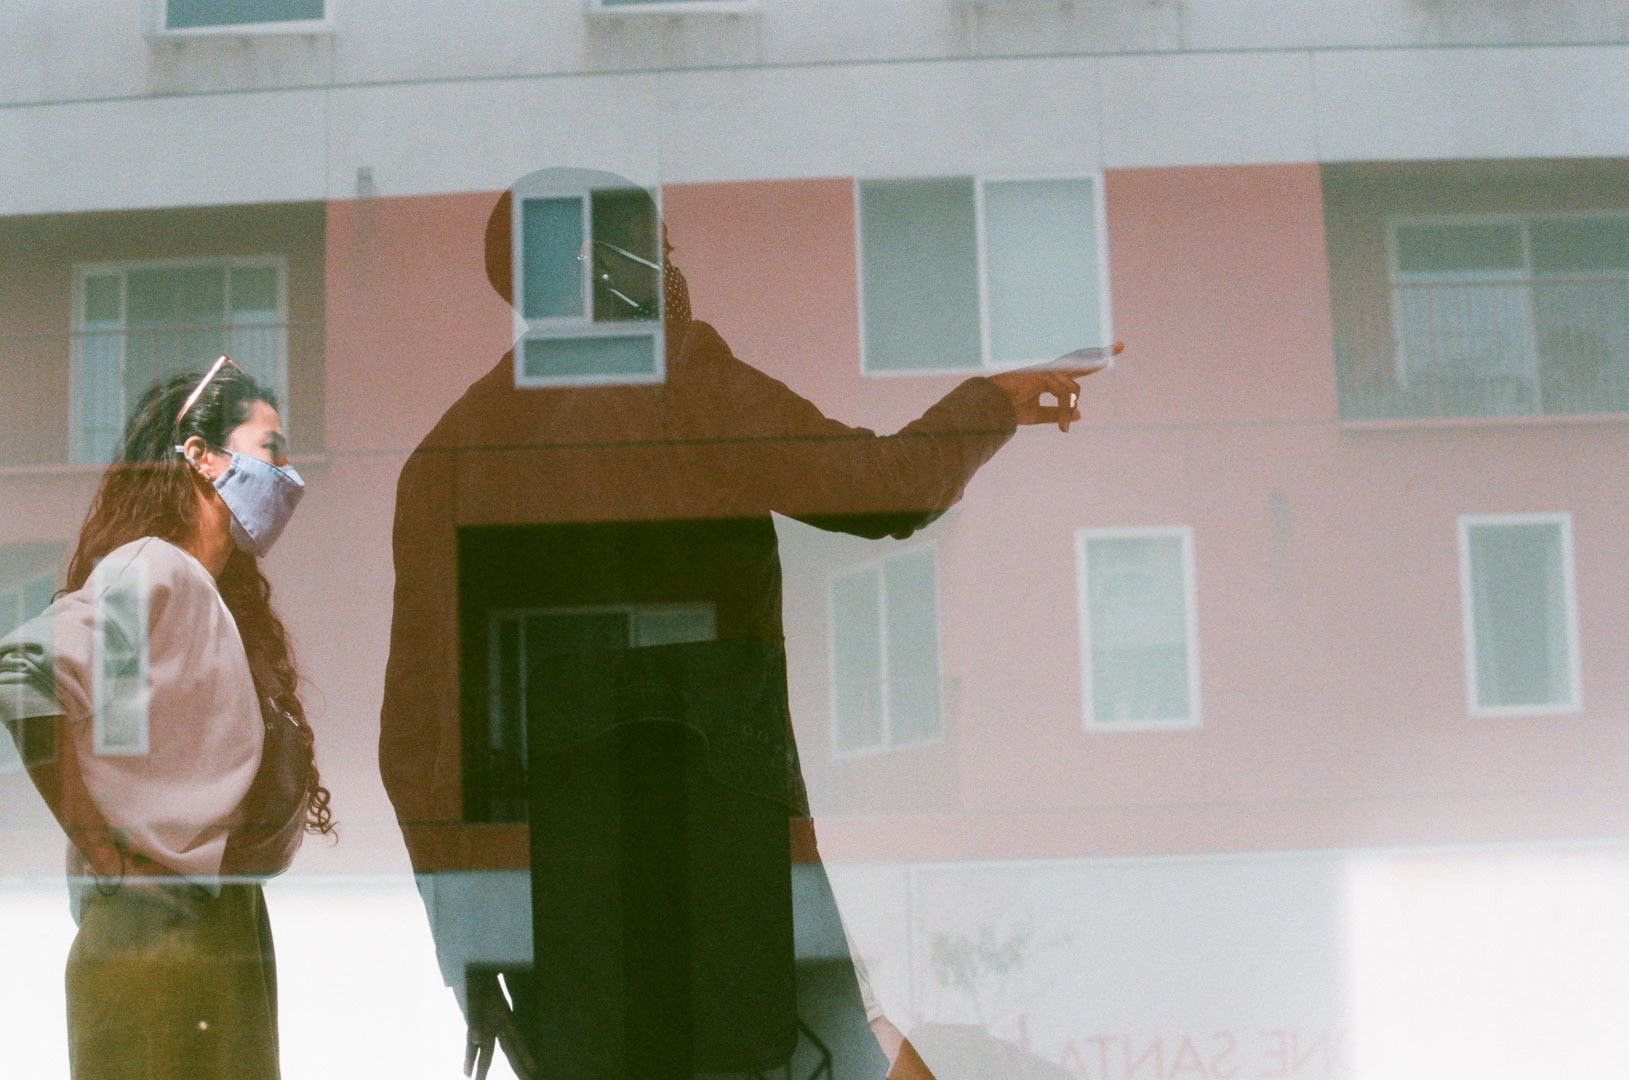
x=588, y=268
x=1139, y=647
x=1521, y=623
x=964, y=273
x=120, y=682
x=139, y=323
x=27, y=580
x=885, y=688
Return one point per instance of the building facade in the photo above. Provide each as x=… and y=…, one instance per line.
x=1312, y=627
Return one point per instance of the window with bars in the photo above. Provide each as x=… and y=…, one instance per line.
x=138, y=323
x=886, y=690
x=1138, y=630
x=969, y=273
x=1511, y=316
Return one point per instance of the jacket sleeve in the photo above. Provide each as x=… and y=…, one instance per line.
x=805, y=465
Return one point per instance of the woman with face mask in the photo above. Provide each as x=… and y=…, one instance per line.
x=155, y=706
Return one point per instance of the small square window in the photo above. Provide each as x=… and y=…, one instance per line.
x=1139, y=638
x=885, y=682
x=1520, y=612
x=965, y=274
x=588, y=262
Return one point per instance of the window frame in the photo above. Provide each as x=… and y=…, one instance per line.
x=886, y=743
x=1190, y=600
x=158, y=13
x=1526, y=276
x=496, y=617
x=1467, y=608
x=980, y=180
x=584, y=326
x=82, y=272
x=599, y=9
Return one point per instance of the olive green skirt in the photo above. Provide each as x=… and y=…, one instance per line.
x=183, y=990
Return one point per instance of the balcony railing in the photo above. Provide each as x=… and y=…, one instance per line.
x=114, y=367
x=1536, y=347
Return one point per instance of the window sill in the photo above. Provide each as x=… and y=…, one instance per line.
x=299, y=461
x=304, y=28
x=1410, y=423
x=674, y=9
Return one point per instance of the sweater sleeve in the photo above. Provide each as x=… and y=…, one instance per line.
x=163, y=723
x=825, y=473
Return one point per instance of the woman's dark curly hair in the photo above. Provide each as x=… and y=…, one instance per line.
x=151, y=491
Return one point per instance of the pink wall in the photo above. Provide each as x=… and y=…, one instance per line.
x=1330, y=643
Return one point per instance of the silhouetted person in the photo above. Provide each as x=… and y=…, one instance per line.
x=587, y=637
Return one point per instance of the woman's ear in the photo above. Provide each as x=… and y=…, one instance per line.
x=196, y=451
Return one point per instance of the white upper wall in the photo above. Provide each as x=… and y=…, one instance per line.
x=435, y=97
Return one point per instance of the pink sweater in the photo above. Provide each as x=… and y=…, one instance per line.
x=151, y=673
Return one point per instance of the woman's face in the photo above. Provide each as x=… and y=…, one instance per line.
x=260, y=436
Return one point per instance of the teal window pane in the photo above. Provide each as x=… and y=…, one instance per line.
x=1571, y=245
x=857, y=660
x=1040, y=244
x=672, y=627
x=919, y=274
x=1518, y=600
x=1138, y=611
x=186, y=14
x=120, y=718
x=589, y=357
x=1445, y=249
x=254, y=289
x=625, y=235
x=551, y=237
x=912, y=629
x=166, y=296
x=102, y=299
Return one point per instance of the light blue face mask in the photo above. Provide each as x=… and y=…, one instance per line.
x=262, y=498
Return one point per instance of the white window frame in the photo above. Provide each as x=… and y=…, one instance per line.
x=887, y=743
x=573, y=326
x=1523, y=220
x=157, y=17
x=82, y=272
x=601, y=9
x=1575, y=699
x=980, y=181
x=1083, y=537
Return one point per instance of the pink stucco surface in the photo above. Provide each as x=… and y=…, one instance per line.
x=1327, y=585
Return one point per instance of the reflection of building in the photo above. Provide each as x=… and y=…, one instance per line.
x=1332, y=560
